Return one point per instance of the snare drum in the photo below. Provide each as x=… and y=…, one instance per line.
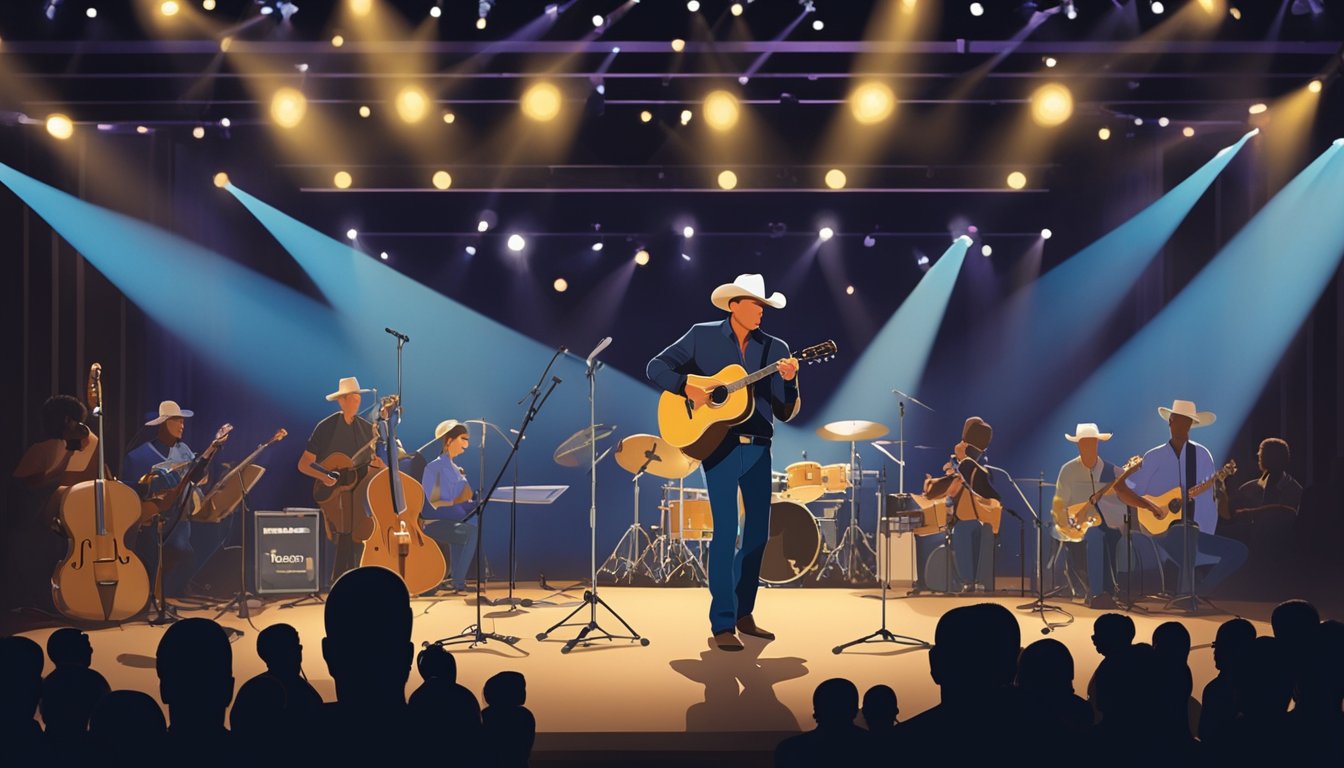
x=835, y=478
x=794, y=544
x=690, y=519
x=804, y=483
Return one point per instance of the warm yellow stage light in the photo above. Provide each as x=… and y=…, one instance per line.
x=721, y=110
x=480, y=23
x=449, y=117
x=142, y=130
x=727, y=180
x=641, y=257
x=872, y=102
x=541, y=102
x=835, y=178
x=678, y=45
x=221, y=179
x=645, y=116
x=225, y=44
x=169, y=7
x=442, y=180
x=198, y=132
x=342, y=180
x=1051, y=104
x=412, y=104
x=208, y=5
x=337, y=41
x=60, y=126
x=1104, y=134
x=736, y=9
x=1314, y=86
x=1188, y=131
x=288, y=106
x=1017, y=180
x=361, y=7
x=1257, y=109
x=686, y=117
x=1209, y=6
x=561, y=285
x=364, y=110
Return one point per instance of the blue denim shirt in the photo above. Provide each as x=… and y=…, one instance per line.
x=707, y=348
x=143, y=458
x=444, y=475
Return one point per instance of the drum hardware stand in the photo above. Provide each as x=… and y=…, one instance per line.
x=854, y=536
x=679, y=551
x=590, y=597
x=475, y=634
x=634, y=556
x=1039, y=605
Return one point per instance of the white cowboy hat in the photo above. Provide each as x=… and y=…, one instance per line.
x=1087, y=430
x=749, y=287
x=348, y=386
x=445, y=427
x=1187, y=408
x=168, y=410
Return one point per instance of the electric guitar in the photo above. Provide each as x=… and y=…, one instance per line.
x=1172, y=502
x=1074, y=521
x=697, y=431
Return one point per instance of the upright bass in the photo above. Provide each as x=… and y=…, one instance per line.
x=100, y=579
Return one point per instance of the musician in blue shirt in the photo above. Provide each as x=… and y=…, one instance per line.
x=450, y=499
x=742, y=459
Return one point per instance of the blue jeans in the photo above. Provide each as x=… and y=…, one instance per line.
x=458, y=540
x=967, y=540
x=734, y=573
x=1231, y=555
x=1098, y=547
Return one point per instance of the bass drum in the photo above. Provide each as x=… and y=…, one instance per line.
x=940, y=571
x=794, y=544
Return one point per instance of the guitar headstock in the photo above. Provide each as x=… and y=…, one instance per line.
x=94, y=392
x=390, y=404
x=817, y=353
x=1230, y=468
x=222, y=436
x=1131, y=466
x=280, y=434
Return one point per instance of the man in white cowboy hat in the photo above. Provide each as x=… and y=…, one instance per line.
x=161, y=461
x=742, y=460
x=449, y=498
x=1183, y=463
x=1082, y=479
x=347, y=433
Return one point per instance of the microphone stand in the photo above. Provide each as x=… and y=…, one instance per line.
x=1039, y=605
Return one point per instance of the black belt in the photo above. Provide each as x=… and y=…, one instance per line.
x=753, y=440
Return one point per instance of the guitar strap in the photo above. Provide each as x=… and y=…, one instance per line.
x=1187, y=503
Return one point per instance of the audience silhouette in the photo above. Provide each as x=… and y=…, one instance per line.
x=195, y=668
x=1045, y=678
x=70, y=691
x=127, y=717
x=1317, y=720
x=443, y=705
x=1171, y=640
x=1262, y=687
x=836, y=740
x=1111, y=632
x=509, y=729
x=879, y=716
x=1130, y=684
x=21, y=663
x=1218, y=710
x=279, y=700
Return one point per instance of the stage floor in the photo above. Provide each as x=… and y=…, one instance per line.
x=609, y=691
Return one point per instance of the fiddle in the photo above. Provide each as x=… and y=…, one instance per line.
x=100, y=578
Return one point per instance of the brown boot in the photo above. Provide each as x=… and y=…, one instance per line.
x=747, y=626
x=727, y=641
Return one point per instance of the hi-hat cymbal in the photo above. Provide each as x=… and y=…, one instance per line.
x=654, y=455
x=852, y=431
x=570, y=453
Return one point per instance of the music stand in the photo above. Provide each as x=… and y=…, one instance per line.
x=222, y=506
x=513, y=496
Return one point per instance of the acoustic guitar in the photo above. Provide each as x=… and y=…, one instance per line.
x=165, y=501
x=1173, y=503
x=342, y=511
x=949, y=490
x=1074, y=521
x=697, y=431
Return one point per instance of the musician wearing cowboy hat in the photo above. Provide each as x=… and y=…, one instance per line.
x=742, y=459
x=449, y=498
x=344, y=432
x=1182, y=463
x=1082, y=479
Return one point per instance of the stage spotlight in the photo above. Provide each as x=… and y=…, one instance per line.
x=872, y=102
x=645, y=116
x=642, y=257
x=1138, y=121
x=1051, y=61
x=364, y=110
x=922, y=261
x=471, y=250
x=1209, y=6
x=198, y=132
x=225, y=43
x=967, y=238
x=818, y=25
x=1051, y=104
x=288, y=106
x=1258, y=108
x=60, y=126
x=449, y=117
x=835, y=178
x=351, y=234
x=221, y=179
x=977, y=9
x=686, y=117
x=436, y=12
x=686, y=257
x=986, y=251
x=736, y=9
x=361, y=7
x=516, y=243
x=727, y=180
x=1164, y=122
x=1070, y=9
x=1046, y=234
x=342, y=180
x=1234, y=12
x=337, y=41
x=693, y=6
x=688, y=232
x=869, y=241
x=541, y=102
x=826, y=233
x=849, y=290
x=561, y=285
x=597, y=20
x=1104, y=134
x=552, y=9
x=412, y=104
x=442, y=180
x=597, y=247
x=678, y=45
x=142, y=130
x=1314, y=86
x=721, y=110
x=482, y=225
x=169, y=7
x=92, y=13
x=1017, y=180
x=1188, y=131
x=1157, y=7
x=208, y=5
x=382, y=255
x=480, y=23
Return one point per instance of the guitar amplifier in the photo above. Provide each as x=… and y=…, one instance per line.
x=287, y=551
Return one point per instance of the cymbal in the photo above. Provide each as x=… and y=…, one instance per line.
x=663, y=460
x=570, y=452
x=852, y=431
x=898, y=442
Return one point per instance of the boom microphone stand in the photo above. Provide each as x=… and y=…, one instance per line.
x=590, y=597
x=1039, y=605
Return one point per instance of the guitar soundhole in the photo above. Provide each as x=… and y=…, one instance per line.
x=718, y=395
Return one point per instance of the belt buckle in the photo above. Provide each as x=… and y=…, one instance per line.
x=745, y=439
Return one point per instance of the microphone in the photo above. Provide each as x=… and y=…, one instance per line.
x=601, y=345
x=403, y=337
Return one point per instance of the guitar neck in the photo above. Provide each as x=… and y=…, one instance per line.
x=752, y=378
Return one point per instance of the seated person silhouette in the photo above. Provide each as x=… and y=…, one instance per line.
x=127, y=717
x=279, y=700
x=1171, y=640
x=1045, y=680
x=1318, y=718
x=195, y=667
x=880, y=709
x=1218, y=709
x=1262, y=687
x=836, y=740
x=71, y=690
x=1294, y=622
x=443, y=705
x=1111, y=632
x=1131, y=684
x=21, y=663
x=508, y=727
